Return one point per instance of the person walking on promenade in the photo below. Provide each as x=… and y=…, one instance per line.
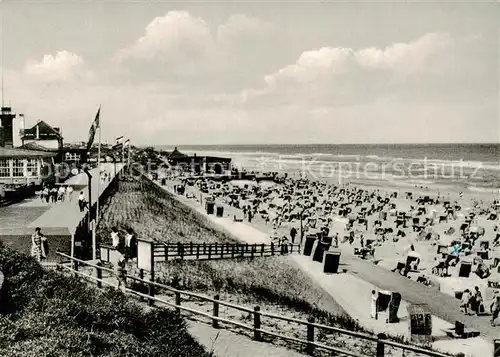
x=38, y=245
x=81, y=201
x=46, y=194
x=115, y=238
x=130, y=244
x=61, y=193
x=69, y=193
x=120, y=272
x=293, y=234
x=374, y=301
x=53, y=194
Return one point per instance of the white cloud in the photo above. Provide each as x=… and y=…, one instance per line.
x=402, y=55
x=180, y=44
x=339, y=75
x=177, y=34
x=64, y=66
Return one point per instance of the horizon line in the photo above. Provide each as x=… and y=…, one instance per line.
x=322, y=144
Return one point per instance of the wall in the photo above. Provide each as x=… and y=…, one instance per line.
x=48, y=144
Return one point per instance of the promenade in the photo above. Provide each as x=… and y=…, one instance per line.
x=57, y=221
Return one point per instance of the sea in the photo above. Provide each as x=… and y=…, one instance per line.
x=472, y=167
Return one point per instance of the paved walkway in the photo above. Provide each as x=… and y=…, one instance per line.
x=63, y=217
x=365, y=276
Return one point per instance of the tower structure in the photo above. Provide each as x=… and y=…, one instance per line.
x=7, y=130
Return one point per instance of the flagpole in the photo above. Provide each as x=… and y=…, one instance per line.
x=123, y=153
x=128, y=156
x=94, y=238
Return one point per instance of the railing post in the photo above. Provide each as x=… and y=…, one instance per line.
x=256, y=323
x=151, y=290
x=216, y=248
x=222, y=251
x=246, y=247
x=191, y=248
x=232, y=250
x=252, y=252
x=215, y=322
x=262, y=249
x=209, y=251
x=165, y=249
x=141, y=274
x=180, y=250
x=204, y=248
x=178, y=301
x=272, y=248
x=310, y=336
x=197, y=251
x=75, y=267
x=380, y=344
x=99, y=275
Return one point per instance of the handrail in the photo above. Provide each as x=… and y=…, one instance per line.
x=363, y=336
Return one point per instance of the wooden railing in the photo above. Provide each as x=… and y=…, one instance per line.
x=256, y=327
x=212, y=251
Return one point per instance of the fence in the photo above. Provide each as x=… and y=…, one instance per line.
x=256, y=327
x=83, y=233
x=211, y=251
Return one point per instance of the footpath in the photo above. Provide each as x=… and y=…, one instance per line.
x=352, y=291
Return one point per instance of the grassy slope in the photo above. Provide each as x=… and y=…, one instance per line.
x=152, y=212
x=49, y=314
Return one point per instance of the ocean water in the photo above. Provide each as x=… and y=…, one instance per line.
x=475, y=167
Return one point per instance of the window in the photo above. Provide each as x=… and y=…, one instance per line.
x=72, y=156
x=4, y=168
x=32, y=167
x=18, y=167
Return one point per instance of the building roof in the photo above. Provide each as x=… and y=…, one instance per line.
x=20, y=153
x=176, y=154
x=36, y=147
x=46, y=132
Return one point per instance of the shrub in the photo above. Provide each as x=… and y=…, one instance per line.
x=51, y=314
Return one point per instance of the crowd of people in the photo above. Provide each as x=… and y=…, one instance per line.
x=425, y=236
x=56, y=193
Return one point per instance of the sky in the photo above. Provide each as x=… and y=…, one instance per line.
x=262, y=72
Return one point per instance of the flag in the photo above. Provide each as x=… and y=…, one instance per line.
x=93, y=129
x=126, y=143
x=119, y=139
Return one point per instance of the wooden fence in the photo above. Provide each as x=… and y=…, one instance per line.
x=212, y=251
x=256, y=327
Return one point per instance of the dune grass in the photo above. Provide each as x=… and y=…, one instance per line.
x=45, y=313
x=139, y=204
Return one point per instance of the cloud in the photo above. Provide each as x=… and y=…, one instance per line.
x=179, y=46
x=345, y=76
x=64, y=66
x=175, y=35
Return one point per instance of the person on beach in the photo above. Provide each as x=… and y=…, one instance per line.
x=374, y=300
x=465, y=302
x=495, y=309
